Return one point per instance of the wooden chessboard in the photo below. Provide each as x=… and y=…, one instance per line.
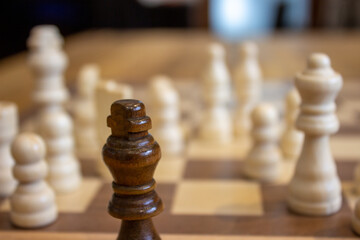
x=207, y=197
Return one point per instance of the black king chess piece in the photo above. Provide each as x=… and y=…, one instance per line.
x=131, y=154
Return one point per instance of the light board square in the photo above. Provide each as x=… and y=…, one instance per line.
x=209, y=197
x=76, y=202
x=170, y=169
x=199, y=150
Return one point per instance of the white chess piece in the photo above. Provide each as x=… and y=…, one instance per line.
x=264, y=159
x=247, y=79
x=355, y=221
x=216, y=126
x=165, y=116
x=315, y=188
x=8, y=130
x=107, y=92
x=85, y=113
x=292, y=138
x=48, y=62
x=45, y=36
x=33, y=202
x=54, y=124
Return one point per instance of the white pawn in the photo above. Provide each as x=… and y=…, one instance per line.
x=165, y=116
x=8, y=130
x=216, y=126
x=85, y=112
x=33, y=202
x=355, y=221
x=263, y=161
x=247, y=78
x=292, y=138
x=106, y=92
x=315, y=188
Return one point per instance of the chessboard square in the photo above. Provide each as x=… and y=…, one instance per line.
x=345, y=147
x=199, y=150
x=78, y=201
x=209, y=197
x=75, y=202
x=170, y=170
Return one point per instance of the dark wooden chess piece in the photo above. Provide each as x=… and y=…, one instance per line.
x=131, y=154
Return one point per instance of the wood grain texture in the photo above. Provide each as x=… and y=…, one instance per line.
x=131, y=154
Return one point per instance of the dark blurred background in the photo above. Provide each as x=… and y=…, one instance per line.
x=232, y=20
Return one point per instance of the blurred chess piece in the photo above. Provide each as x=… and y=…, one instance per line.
x=106, y=92
x=248, y=81
x=264, y=159
x=85, y=112
x=292, y=139
x=8, y=131
x=166, y=116
x=33, y=202
x=318, y=86
x=54, y=124
x=216, y=126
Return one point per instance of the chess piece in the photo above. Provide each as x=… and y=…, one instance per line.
x=292, y=138
x=8, y=130
x=45, y=36
x=33, y=202
x=166, y=115
x=131, y=155
x=217, y=124
x=85, y=113
x=318, y=86
x=356, y=217
x=106, y=92
x=263, y=161
x=247, y=78
x=48, y=62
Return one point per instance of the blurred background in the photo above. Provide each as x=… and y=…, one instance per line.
x=230, y=20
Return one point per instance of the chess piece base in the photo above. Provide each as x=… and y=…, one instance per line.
x=35, y=220
x=315, y=209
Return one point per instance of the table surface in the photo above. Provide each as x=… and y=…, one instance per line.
x=138, y=55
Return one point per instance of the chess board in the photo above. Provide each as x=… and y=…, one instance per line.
x=206, y=195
